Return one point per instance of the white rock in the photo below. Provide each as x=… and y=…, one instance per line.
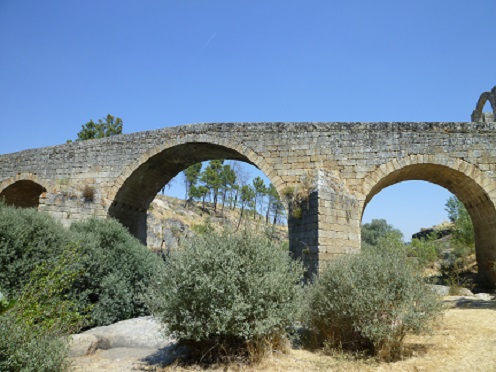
x=82, y=344
x=143, y=332
x=441, y=290
x=484, y=296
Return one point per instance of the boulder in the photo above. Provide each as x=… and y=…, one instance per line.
x=484, y=296
x=143, y=332
x=82, y=344
x=444, y=290
x=441, y=290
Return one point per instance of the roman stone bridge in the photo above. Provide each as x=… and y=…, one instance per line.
x=335, y=168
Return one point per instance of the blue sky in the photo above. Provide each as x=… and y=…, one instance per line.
x=165, y=63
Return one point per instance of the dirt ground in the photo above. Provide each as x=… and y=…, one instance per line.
x=464, y=339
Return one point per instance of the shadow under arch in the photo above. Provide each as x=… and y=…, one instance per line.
x=470, y=192
x=130, y=203
x=22, y=194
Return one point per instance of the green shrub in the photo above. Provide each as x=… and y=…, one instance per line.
x=115, y=264
x=116, y=269
x=228, y=294
x=27, y=238
x=34, y=327
x=425, y=250
x=370, y=301
x=375, y=231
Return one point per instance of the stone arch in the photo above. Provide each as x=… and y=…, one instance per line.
x=477, y=114
x=472, y=187
x=140, y=182
x=25, y=190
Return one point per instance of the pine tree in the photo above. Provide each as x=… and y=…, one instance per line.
x=91, y=130
x=212, y=180
x=259, y=188
x=228, y=179
x=191, y=178
x=247, y=194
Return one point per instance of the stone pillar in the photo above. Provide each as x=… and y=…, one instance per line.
x=339, y=218
x=328, y=225
x=304, y=233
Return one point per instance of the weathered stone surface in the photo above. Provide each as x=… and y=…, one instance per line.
x=484, y=296
x=83, y=344
x=339, y=166
x=163, y=230
x=469, y=302
x=133, y=344
x=444, y=290
x=441, y=290
x=144, y=333
x=487, y=117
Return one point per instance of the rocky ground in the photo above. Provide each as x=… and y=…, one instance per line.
x=464, y=339
x=170, y=219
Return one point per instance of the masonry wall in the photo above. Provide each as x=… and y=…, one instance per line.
x=348, y=163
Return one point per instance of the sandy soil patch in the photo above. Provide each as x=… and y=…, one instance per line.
x=463, y=340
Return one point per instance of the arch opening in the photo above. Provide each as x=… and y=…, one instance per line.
x=473, y=196
x=410, y=206
x=131, y=203
x=23, y=194
x=485, y=109
x=488, y=110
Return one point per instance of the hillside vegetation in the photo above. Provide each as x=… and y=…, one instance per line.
x=171, y=219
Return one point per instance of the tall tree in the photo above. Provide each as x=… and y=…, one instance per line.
x=211, y=178
x=458, y=214
x=227, y=179
x=375, y=230
x=247, y=195
x=199, y=192
x=191, y=178
x=259, y=188
x=274, y=206
x=242, y=178
x=103, y=128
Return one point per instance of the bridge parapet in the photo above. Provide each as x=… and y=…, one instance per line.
x=350, y=163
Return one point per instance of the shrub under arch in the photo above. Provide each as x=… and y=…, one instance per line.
x=371, y=300
x=226, y=293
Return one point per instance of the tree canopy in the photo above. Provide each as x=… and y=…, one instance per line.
x=225, y=185
x=373, y=231
x=103, y=128
x=458, y=214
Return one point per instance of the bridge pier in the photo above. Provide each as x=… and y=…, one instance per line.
x=329, y=225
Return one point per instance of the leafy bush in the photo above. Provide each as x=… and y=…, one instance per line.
x=370, y=301
x=115, y=264
x=225, y=293
x=377, y=229
x=116, y=269
x=464, y=229
x=27, y=238
x=425, y=250
x=34, y=326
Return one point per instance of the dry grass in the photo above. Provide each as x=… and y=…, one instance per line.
x=193, y=214
x=463, y=340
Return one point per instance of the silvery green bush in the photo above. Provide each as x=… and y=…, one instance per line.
x=227, y=293
x=116, y=269
x=370, y=301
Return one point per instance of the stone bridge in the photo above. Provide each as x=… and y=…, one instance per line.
x=337, y=167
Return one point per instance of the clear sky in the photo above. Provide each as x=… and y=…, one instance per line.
x=164, y=63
